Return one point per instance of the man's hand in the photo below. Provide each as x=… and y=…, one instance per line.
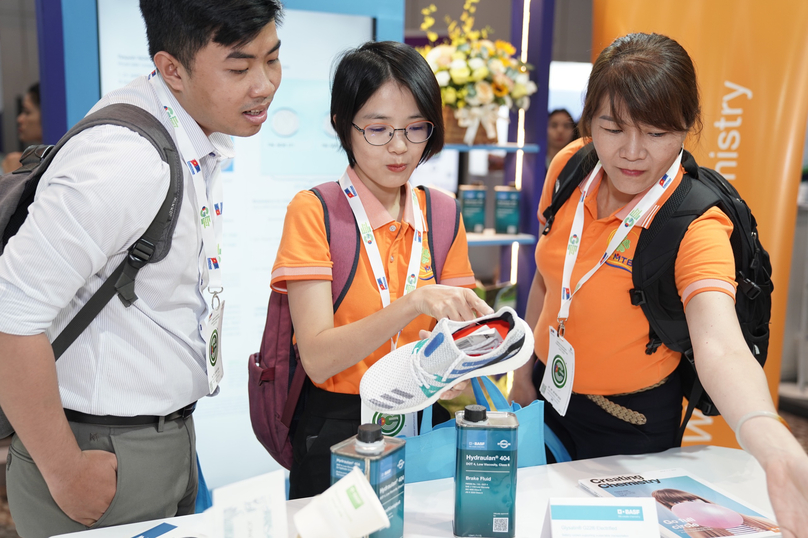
x=85, y=490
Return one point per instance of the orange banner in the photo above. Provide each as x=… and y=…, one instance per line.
x=751, y=59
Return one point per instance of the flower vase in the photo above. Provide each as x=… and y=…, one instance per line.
x=454, y=134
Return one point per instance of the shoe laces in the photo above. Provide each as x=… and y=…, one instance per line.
x=425, y=378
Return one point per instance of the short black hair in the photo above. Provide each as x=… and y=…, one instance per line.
x=182, y=27
x=362, y=71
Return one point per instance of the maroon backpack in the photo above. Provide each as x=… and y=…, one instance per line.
x=276, y=376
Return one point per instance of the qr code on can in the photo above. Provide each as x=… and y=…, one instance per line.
x=500, y=524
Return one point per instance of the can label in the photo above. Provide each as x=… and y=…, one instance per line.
x=485, y=482
x=386, y=477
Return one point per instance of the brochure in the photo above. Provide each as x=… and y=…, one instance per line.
x=687, y=507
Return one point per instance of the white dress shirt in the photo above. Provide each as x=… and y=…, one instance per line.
x=98, y=197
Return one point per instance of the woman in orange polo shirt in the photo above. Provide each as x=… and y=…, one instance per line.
x=386, y=110
x=641, y=102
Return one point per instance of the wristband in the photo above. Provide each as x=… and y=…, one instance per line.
x=755, y=414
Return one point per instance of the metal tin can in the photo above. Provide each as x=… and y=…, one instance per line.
x=485, y=473
x=382, y=460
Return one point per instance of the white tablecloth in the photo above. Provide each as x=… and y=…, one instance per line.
x=428, y=506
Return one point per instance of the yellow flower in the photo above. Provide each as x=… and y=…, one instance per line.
x=505, y=47
x=460, y=75
x=448, y=95
x=500, y=90
x=519, y=90
x=480, y=73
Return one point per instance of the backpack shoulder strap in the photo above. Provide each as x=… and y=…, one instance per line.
x=442, y=221
x=340, y=226
x=576, y=169
x=654, y=260
x=153, y=246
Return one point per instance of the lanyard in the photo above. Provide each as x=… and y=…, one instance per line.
x=573, y=246
x=210, y=216
x=372, y=249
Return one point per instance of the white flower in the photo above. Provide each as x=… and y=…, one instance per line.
x=523, y=102
x=443, y=78
x=458, y=64
x=476, y=63
x=440, y=56
x=531, y=87
x=522, y=78
x=496, y=66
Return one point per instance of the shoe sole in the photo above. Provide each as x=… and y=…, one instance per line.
x=503, y=367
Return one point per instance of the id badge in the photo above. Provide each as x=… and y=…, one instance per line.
x=556, y=384
x=392, y=425
x=212, y=334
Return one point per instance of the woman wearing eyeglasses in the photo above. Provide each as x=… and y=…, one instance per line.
x=386, y=110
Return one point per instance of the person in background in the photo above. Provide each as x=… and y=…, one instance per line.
x=561, y=130
x=105, y=436
x=642, y=101
x=386, y=110
x=29, y=127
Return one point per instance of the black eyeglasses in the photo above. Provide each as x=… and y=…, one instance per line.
x=379, y=134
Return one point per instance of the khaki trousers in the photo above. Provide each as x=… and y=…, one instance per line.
x=157, y=477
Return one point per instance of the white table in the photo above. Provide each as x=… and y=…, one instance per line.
x=428, y=506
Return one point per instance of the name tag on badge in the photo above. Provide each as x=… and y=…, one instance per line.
x=392, y=425
x=556, y=384
x=212, y=335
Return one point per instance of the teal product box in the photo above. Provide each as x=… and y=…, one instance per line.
x=485, y=473
x=382, y=460
x=472, y=206
x=506, y=210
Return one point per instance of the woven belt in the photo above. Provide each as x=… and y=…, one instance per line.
x=618, y=411
x=140, y=420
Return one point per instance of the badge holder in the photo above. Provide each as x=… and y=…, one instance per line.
x=212, y=335
x=556, y=384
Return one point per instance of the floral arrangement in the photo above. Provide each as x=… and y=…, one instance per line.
x=476, y=75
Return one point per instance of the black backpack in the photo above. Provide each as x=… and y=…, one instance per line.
x=17, y=190
x=653, y=265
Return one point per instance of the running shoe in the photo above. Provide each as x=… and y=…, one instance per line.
x=414, y=376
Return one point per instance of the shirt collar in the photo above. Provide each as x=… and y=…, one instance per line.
x=218, y=144
x=376, y=212
x=646, y=221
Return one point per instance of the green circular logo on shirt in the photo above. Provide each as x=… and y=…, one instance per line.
x=391, y=424
x=559, y=372
x=214, y=347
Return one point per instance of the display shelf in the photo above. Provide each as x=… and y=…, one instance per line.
x=510, y=147
x=490, y=238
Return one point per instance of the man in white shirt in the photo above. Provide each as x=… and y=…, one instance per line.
x=123, y=449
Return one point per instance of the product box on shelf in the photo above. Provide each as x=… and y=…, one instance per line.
x=472, y=206
x=506, y=209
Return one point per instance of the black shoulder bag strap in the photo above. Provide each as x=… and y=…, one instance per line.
x=154, y=244
x=576, y=169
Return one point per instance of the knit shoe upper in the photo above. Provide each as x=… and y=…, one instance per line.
x=414, y=376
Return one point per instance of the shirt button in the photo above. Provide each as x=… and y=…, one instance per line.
x=393, y=228
x=391, y=259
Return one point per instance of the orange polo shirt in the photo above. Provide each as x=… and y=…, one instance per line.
x=608, y=333
x=303, y=254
